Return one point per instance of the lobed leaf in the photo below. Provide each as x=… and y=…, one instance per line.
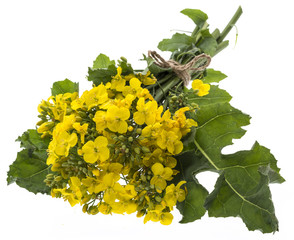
x=98, y=76
x=242, y=188
x=65, y=86
x=102, y=61
x=29, y=170
x=178, y=41
x=189, y=164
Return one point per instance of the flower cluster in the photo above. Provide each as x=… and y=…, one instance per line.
x=112, y=148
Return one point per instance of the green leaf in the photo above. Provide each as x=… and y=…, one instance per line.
x=198, y=17
x=213, y=76
x=192, y=207
x=102, y=61
x=98, y=76
x=207, y=43
x=65, y=86
x=189, y=164
x=215, y=96
x=178, y=41
x=242, y=189
x=31, y=140
x=29, y=170
x=126, y=68
x=188, y=141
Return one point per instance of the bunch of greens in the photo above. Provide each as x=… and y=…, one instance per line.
x=242, y=188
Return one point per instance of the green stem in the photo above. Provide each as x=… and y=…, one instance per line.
x=160, y=81
x=230, y=24
x=195, y=31
x=165, y=88
x=221, y=47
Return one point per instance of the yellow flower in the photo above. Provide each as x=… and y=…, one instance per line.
x=146, y=112
x=127, y=192
x=67, y=123
x=78, y=103
x=161, y=174
x=157, y=215
x=100, y=120
x=94, y=185
x=104, y=208
x=67, y=195
x=202, y=88
x=116, y=119
x=125, y=101
x=117, y=81
x=174, y=193
x=75, y=186
x=166, y=119
x=124, y=206
x=82, y=130
x=146, y=80
x=97, y=150
x=45, y=127
x=153, y=157
x=144, y=93
x=135, y=86
x=170, y=141
x=96, y=96
x=63, y=142
x=152, y=130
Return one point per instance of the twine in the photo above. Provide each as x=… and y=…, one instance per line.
x=179, y=69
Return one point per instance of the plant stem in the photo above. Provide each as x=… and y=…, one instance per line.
x=160, y=81
x=230, y=24
x=165, y=88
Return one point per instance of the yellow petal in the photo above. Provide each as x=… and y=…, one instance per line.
x=178, y=147
x=157, y=169
x=166, y=218
x=75, y=181
x=101, y=142
x=123, y=113
x=139, y=118
x=196, y=84
x=73, y=139
x=135, y=83
x=103, y=154
x=122, y=127
x=91, y=157
x=167, y=173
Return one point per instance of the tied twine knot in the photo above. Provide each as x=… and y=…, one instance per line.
x=179, y=69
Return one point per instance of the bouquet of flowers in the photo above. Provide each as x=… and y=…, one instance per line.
x=136, y=141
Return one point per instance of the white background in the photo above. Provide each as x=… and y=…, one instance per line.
x=46, y=41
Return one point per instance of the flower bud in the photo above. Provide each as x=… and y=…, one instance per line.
x=137, y=150
x=85, y=208
x=50, y=176
x=121, y=137
x=58, y=178
x=143, y=178
x=145, y=149
x=158, y=199
x=139, y=130
x=123, y=59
